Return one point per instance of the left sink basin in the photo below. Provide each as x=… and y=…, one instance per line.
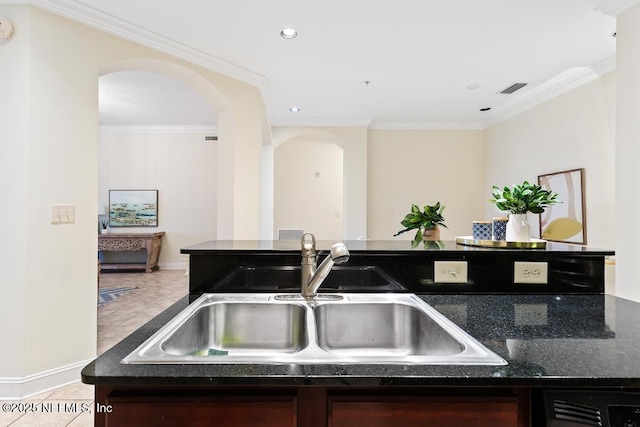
x=240, y=327
x=235, y=330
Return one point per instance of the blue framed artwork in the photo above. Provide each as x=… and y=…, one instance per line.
x=133, y=208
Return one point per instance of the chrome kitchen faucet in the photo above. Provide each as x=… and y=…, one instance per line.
x=312, y=276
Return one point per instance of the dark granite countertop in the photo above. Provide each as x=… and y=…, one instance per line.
x=372, y=247
x=547, y=340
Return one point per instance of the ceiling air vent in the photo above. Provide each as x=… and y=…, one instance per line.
x=290, y=234
x=514, y=87
x=210, y=138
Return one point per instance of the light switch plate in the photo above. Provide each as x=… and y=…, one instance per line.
x=530, y=272
x=450, y=271
x=63, y=214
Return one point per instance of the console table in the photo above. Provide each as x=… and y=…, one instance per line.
x=117, y=242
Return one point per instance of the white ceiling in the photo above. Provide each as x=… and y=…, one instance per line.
x=420, y=56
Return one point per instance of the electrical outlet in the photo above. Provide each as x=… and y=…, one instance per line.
x=450, y=271
x=63, y=214
x=530, y=272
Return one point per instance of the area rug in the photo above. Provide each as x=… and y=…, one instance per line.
x=109, y=295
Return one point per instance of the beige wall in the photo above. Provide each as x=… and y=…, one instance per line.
x=627, y=164
x=14, y=154
x=424, y=167
x=181, y=166
x=54, y=161
x=49, y=132
x=575, y=130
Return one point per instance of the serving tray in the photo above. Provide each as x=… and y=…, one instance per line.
x=532, y=244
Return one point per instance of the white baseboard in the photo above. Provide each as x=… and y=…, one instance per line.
x=31, y=385
x=172, y=266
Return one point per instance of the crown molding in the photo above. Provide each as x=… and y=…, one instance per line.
x=103, y=21
x=320, y=123
x=209, y=130
x=615, y=7
x=426, y=126
x=559, y=85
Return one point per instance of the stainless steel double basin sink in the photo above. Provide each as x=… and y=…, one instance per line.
x=383, y=328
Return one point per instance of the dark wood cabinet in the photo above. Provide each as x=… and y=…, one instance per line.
x=425, y=411
x=312, y=407
x=220, y=413
x=197, y=408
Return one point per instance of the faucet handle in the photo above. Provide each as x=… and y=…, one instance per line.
x=308, y=248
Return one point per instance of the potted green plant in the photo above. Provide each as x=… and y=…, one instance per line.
x=518, y=201
x=426, y=221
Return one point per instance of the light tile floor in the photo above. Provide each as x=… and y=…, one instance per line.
x=156, y=291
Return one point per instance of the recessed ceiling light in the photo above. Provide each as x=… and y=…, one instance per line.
x=288, y=33
x=294, y=109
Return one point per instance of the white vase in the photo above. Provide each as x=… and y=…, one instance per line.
x=518, y=229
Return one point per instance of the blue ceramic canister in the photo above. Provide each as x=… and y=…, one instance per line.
x=500, y=228
x=482, y=230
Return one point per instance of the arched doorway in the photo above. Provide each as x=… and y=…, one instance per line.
x=156, y=124
x=309, y=187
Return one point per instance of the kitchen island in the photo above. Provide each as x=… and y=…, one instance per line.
x=584, y=341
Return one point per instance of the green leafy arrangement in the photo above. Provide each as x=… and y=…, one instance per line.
x=429, y=217
x=523, y=198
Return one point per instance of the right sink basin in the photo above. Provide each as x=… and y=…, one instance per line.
x=382, y=329
x=394, y=328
